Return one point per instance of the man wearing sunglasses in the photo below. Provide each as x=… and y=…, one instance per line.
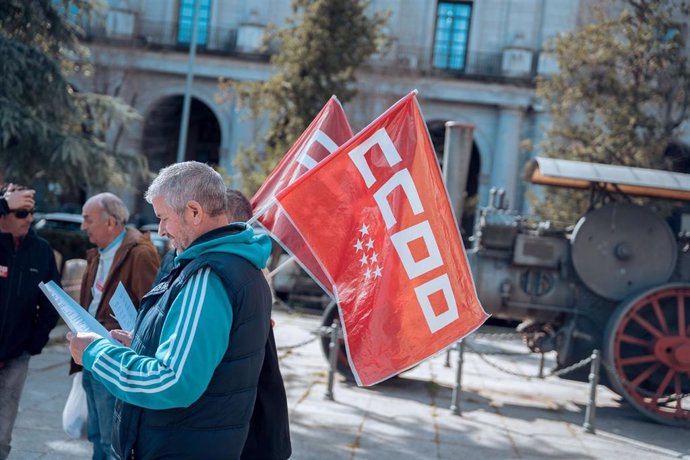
x=16, y=199
x=26, y=316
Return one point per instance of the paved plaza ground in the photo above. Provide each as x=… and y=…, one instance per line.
x=407, y=417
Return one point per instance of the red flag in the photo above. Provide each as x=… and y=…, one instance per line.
x=377, y=217
x=329, y=130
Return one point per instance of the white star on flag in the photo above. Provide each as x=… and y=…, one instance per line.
x=370, y=262
x=377, y=272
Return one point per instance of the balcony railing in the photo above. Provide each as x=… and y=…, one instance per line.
x=164, y=35
x=510, y=63
x=127, y=29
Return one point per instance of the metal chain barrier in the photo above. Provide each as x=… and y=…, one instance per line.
x=513, y=336
x=582, y=363
x=498, y=335
x=594, y=361
x=335, y=333
x=297, y=345
x=627, y=384
x=321, y=331
x=482, y=356
x=498, y=353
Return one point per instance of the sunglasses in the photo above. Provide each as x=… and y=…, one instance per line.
x=23, y=213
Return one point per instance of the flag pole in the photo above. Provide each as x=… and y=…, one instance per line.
x=262, y=211
x=281, y=266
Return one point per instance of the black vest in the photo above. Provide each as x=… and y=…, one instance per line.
x=269, y=428
x=216, y=425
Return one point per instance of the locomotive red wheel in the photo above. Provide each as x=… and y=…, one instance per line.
x=648, y=353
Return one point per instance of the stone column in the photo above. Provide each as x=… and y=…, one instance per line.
x=505, y=165
x=457, y=152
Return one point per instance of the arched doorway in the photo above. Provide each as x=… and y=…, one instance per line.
x=162, y=130
x=161, y=137
x=437, y=131
x=677, y=154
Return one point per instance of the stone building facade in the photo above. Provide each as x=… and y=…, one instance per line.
x=471, y=61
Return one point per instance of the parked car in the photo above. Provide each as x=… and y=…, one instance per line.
x=58, y=220
x=160, y=242
x=63, y=232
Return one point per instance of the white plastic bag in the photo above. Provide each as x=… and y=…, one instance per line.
x=75, y=412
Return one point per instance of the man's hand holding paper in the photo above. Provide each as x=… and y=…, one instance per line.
x=124, y=337
x=78, y=343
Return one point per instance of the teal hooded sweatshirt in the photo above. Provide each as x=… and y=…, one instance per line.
x=193, y=341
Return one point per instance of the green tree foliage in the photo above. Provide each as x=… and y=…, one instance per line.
x=321, y=47
x=49, y=130
x=621, y=94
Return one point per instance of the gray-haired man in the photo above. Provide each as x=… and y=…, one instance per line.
x=186, y=387
x=122, y=255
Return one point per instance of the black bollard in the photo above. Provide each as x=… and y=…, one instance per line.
x=457, y=390
x=332, y=359
x=589, y=425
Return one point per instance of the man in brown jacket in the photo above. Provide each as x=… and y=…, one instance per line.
x=122, y=255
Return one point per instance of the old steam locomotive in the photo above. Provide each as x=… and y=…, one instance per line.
x=619, y=281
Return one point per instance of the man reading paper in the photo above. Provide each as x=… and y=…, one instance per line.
x=122, y=255
x=187, y=386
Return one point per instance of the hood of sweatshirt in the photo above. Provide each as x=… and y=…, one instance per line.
x=237, y=238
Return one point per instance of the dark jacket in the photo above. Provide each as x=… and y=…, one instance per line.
x=202, y=430
x=26, y=315
x=269, y=428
